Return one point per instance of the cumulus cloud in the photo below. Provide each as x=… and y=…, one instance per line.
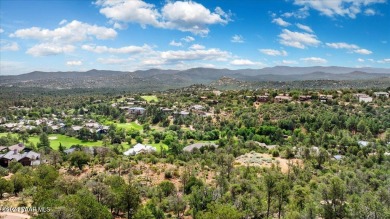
x=289, y=62
x=8, y=46
x=384, y=61
x=369, y=12
x=362, y=51
x=302, y=13
x=342, y=45
x=314, y=60
x=334, y=8
x=204, y=54
x=47, y=49
x=186, y=16
x=273, y=52
x=360, y=60
x=74, y=63
x=245, y=62
x=74, y=31
x=64, y=21
x=112, y=61
x=237, y=39
x=121, y=50
x=281, y=22
x=174, y=43
x=304, y=27
x=298, y=39
x=197, y=47
x=352, y=48
x=188, y=39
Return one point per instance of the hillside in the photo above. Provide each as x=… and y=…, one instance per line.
x=157, y=79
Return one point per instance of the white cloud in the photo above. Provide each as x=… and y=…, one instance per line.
x=121, y=50
x=1, y=30
x=384, y=61
x=369, y=12
x=273, y=52
x=314, y=60
x=174, y=43
x=196, y=47
x=362, y=51
x=289, y=62
x=63, y=22
x=8, y=46
x=342, y=45
x=152, y=62
x=351, y=47
x=186, y=16
x=188, y=39
x=333, y=8
x=305, y=28
x=135, y=11
x=191, y=16
x=237, y=39
x=183, y=55
x=302, y=13
x=74, y=63
x=74, y=31
x=281, y=22
x=298, y=39
x=245, y=62
x=112, y=61
x=47, y=49
x=360, y=60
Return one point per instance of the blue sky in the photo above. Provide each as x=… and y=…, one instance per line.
x=129, y=35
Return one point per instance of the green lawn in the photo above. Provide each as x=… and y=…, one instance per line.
x=56, y=139
x=128, y=126
x=158, y=146
x=150, y=98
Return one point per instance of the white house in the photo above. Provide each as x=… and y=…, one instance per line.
x=137, y=110
x=381, y=94
x=140, y=148
x=365, y=98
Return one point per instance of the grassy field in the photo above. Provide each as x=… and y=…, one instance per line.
x=150, y=98
x=128, y=126
x=56, y=139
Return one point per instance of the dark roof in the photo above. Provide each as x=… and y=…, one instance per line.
x=10, y=155
x=199, y=145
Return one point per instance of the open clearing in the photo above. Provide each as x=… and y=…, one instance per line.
x=266, y=160
x=150, y=98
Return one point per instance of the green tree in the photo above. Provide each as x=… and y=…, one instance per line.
x=5, y=186
x=130, y=200
x=79, y=159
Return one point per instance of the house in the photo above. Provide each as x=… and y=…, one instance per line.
x=197, y=107
x=137, y=110
x=199, y=145
x=140, y=148
x=182, y=113
x=17, y=147
x=325, y=98
x=304, y=97
x=26, y=158
x=381, y=94
x=262, y=98
x=365, y=99
x=338, y=157
x=281, y=99
x=363, y=143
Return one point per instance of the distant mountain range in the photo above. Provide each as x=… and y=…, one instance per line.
x=157, y=79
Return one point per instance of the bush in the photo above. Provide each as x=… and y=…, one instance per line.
x=168, y=174
x=14, y=166
x=3, y=172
